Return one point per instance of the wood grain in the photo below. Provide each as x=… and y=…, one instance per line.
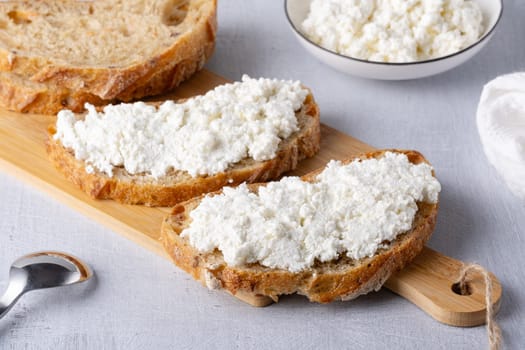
x=427, y=282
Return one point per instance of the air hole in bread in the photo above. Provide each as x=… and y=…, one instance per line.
x=466, y=289
x=19, y=17
x=174, y=12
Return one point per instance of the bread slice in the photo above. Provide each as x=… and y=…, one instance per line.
x=177, y=185
x=99, y=51
x=342, y=279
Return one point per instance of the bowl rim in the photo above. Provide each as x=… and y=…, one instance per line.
x=432, y=60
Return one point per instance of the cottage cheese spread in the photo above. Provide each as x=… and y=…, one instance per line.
x=351, y=209
x=394, y=30
x=203, y=136
x=501, y=126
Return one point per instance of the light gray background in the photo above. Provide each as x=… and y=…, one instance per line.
x=140, y=301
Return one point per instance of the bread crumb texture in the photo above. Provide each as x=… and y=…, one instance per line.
x=62, y=54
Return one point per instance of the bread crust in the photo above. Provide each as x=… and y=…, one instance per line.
x=143, y=189
x=36, y=85
x=343, y=279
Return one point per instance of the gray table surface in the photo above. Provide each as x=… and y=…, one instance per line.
x=141, y=301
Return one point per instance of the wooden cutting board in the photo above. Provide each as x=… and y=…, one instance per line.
x=427, y=282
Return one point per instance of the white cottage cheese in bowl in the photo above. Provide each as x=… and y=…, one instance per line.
x=394, y=31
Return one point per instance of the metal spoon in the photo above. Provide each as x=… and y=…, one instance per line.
x=42, y=270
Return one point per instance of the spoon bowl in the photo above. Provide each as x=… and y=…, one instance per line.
x=39, y=271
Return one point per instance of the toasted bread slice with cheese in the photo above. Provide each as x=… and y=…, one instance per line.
x=177, y=186
x=95, y=52
x=340, y=279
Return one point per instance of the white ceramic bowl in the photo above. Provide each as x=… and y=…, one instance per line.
x=297, y=10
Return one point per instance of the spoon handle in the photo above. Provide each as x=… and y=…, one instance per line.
x=12, y=294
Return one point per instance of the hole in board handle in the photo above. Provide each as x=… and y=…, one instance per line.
x=461, y=290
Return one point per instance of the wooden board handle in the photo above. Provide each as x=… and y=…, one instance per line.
x=428, y=281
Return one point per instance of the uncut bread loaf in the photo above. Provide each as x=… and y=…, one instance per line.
x=177, y=185
x=339, y=279
x=62, y=54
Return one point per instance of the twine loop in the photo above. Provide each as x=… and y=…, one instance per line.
x=493, y=330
